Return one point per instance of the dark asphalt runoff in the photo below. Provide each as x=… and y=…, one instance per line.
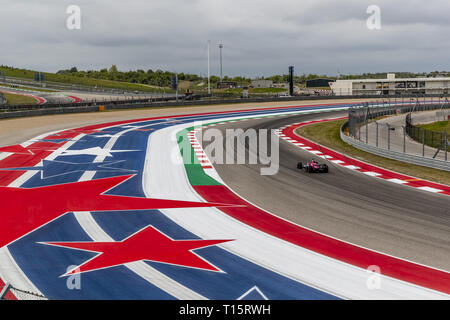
x=376, y=214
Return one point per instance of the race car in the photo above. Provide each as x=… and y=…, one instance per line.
x=313, y=167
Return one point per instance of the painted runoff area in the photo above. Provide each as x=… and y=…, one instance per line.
x=116, y=206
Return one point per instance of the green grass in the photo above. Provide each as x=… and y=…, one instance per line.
x=37, y=89
x=320, y=88
x=327, y=134
x=267, y=90
x=18, y=99
x=195, y=172
x=28, y=88
x=84, y=81
x=439, y=126
x=253, y=90
x=434, y=134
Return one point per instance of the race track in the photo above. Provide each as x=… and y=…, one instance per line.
x=42, y=97
x=348, y=205
x=120, y=207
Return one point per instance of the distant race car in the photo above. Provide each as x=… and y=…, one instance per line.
x=313, y=167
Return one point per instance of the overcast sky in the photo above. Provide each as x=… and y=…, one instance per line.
x=260, y=37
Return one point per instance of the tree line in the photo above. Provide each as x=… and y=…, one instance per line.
x=162, y=78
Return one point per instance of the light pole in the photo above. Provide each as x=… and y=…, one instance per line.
x=209, y=70
x=221, y=47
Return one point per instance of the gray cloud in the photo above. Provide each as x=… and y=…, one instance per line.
x=260, y=37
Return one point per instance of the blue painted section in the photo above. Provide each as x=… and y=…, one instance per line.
x=50, y=169
x=44, y=264
x=239, y=275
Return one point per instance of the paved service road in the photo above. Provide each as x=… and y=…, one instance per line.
x=404, y=222
x=396, y=138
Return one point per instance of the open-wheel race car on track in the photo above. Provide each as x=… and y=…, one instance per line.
x=312, y=167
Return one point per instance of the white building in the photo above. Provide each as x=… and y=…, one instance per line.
x=261, y=84
x=391, y=85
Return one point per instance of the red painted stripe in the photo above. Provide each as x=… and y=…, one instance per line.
x=385, y=174
x=333, y=248
x=75, y=99
x=39, y=99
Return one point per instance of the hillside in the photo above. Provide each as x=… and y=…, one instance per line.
x=80, y=80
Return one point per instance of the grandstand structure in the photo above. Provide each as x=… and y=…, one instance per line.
x=391, y=86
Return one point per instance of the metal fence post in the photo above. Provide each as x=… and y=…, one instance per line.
x=367, y=131
x=404, y=139
x=376, y=134
x=389, y=136
x=446, y=144
x=423, y=142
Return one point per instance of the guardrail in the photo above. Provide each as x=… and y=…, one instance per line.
x=149, y=100
x=15, y=111
x=157, y=102
x=82, y=104
x=391, y=154
x=372, y=110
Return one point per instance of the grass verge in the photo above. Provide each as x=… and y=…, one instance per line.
x=439, y=126
x=84, y=81
x=253, y=90
x=327, y=134
x=19, y=99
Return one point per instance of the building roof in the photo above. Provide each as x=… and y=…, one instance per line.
x=396, y=79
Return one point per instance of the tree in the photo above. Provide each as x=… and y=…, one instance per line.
x=214, y=79
x=113, y=69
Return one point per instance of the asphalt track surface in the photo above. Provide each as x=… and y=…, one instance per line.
x=396, y=220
